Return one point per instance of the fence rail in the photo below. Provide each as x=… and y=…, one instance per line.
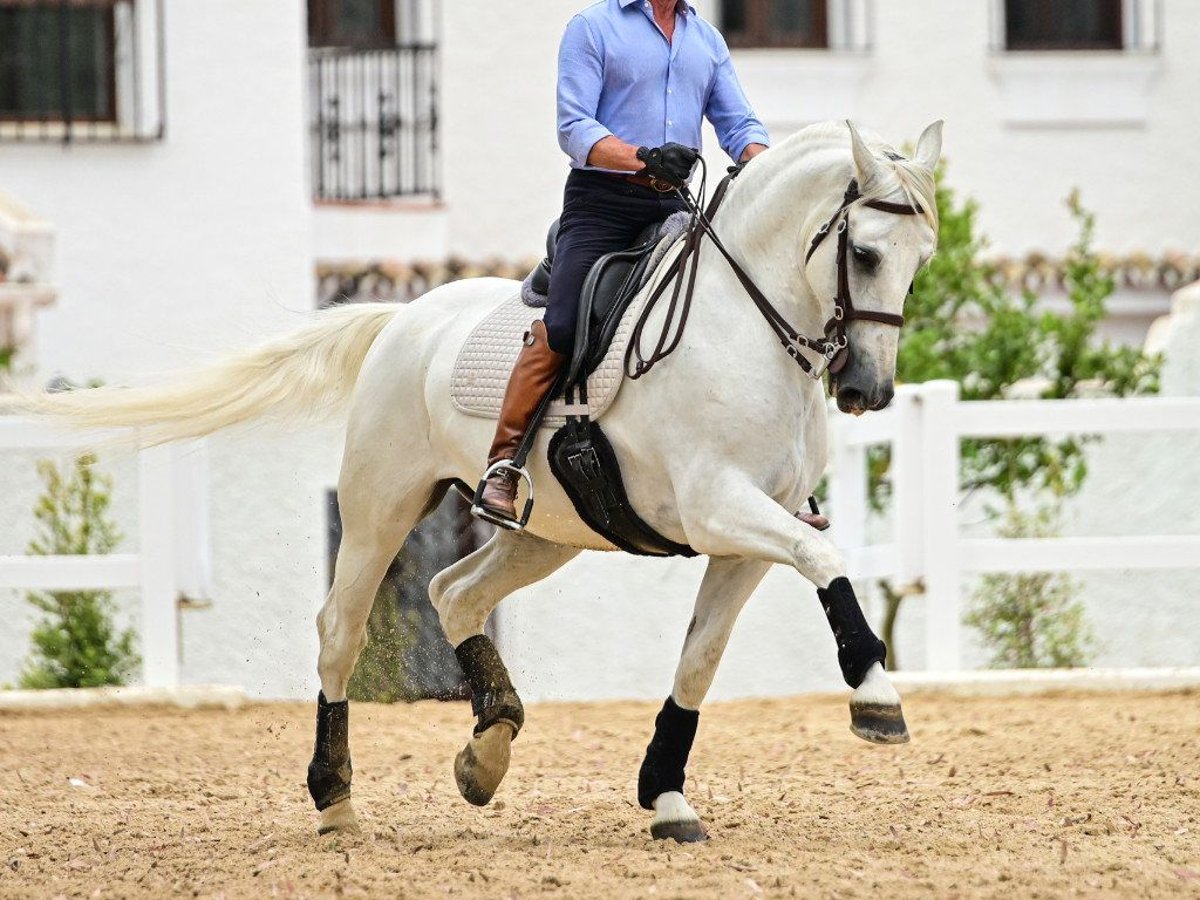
x=374, y=122
x=924, y=427
x=171, y=562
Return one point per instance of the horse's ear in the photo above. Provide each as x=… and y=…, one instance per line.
x=929, y=147
x=865, y=163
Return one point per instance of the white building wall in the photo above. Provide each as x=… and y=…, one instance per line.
x=169, y=253
x=1021, y=129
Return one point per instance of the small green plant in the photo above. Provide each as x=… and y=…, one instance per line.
x=1031, y=621
x=6, y=358
x=75, y=642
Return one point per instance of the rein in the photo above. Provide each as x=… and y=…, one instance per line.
x=833, y=345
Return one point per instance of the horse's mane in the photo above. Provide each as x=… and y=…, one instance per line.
x=901, y=175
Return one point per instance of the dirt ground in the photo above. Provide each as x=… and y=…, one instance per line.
x=1070, y=795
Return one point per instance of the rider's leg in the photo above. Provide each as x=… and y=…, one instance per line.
x=533, y=375
x=600, y=215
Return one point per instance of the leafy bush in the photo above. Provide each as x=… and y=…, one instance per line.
x=1031, y=621
x=75, y=642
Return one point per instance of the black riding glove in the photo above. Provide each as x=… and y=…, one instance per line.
x=671, y=163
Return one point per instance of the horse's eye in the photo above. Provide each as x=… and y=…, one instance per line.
x=867, y=257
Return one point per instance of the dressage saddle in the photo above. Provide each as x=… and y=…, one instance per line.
x=609, y=288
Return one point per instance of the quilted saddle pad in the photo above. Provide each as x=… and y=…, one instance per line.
x=487, y=358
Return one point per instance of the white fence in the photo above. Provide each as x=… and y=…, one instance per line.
x=924, y=426
x=172, y=562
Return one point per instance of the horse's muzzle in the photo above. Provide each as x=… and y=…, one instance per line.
x=856, y=400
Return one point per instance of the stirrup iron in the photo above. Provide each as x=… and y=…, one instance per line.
x=479, y=511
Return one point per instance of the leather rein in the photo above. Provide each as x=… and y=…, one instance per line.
x=834, y=344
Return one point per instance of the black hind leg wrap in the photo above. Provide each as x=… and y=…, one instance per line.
x=858, y=647
x=330, y=770
x=493, y=698
x=666, y=757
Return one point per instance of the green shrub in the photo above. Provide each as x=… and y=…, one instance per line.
x=963, y=325
x=1031, y=621
x=75, y=642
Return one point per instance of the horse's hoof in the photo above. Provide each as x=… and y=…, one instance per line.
x=339, y=818
x=879, y=723
x=675, y=819
x=684, y=832
x=481, y=765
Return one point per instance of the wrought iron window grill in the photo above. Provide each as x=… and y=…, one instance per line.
x=374, y=122
x=82, y=70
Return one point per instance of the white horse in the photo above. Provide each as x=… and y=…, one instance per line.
x=719, y=446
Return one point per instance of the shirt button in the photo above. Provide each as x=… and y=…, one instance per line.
x=669, y=91
x=669, y=122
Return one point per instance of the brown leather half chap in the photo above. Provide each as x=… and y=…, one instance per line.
x=533, y=375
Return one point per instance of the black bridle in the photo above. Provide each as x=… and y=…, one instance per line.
x=834, y=344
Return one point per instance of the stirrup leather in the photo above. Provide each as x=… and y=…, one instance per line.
x=479, y=511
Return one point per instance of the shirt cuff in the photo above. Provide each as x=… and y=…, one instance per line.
x=583, y=137
x=753, y=136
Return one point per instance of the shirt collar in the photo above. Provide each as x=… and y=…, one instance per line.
x=681, y=6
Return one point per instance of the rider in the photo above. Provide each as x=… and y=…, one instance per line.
x=635, y=80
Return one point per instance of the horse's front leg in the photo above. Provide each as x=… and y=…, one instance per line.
x=734, y=518
x=727, y=585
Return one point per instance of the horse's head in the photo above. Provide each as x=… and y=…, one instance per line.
x=890, y=233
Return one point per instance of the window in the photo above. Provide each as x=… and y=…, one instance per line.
x=57, y=61
x=373, y=67
x=357, y=24
x=81, y=70
x=1063, y=24
x=775, y=23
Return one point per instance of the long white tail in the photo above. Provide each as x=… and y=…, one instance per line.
x=306, y=374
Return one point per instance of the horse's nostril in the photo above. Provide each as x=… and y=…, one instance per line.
x=851, y=400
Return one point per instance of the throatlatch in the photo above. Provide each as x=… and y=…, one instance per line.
x=330, y=770
x=858, y=647
x=493, y=698
x=666, y=757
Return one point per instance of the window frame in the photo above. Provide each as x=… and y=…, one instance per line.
x=758, y=33
x=108, y=72
x=1116, y=7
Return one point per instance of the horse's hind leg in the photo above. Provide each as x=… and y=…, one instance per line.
x=727, y=585
x=465, y=595
x=375, y=524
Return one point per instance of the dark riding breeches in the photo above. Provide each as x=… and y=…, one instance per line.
x=601, y=214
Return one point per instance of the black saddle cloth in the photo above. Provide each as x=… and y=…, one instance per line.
x=609, y=288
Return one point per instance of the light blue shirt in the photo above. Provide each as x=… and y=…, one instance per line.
x=618, y=75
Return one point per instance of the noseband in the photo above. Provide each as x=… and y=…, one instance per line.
x=834, y=344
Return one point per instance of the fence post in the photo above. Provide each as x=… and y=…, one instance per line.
x=847, y=491
x=156, y=527
x=939, y=520
x=907, y=496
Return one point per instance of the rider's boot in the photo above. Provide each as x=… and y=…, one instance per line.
x=532, y=377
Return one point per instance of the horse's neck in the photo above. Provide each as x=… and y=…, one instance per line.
x=769, y=217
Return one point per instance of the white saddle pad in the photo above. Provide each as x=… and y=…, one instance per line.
x=487, y=358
